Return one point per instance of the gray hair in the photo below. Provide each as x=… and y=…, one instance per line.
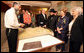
x=16, y=3
x=78, y=9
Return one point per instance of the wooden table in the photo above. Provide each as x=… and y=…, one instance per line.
x=47, y=40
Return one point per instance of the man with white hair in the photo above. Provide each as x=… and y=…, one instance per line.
x=42, y=19
x=12, y=25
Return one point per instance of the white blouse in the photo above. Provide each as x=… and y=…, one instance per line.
x=71, y=24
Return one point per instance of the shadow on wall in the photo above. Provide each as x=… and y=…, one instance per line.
x=4, y=8
x=3, y=34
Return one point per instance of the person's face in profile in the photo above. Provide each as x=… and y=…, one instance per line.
x=17, y=7
x=74, y=12
x=23, y=11
x=55, y=13
x=39, y=12
x=62, y=13
x=51, y=13
x=43, y=11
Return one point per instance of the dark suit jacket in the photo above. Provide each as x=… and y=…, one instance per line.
x=77, y=30
x=41, y=20
x=21, y=18
x=51, y=22
x=37, y=17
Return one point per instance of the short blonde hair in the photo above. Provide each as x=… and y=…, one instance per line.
x=78, y=9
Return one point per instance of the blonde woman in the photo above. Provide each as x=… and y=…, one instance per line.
x=62, y=29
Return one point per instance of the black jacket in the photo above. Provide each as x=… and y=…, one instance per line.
x=41, y=20
x=77, y=30
x=51, y=22
x=37, y=21
x=69, y=16
x=21, y=19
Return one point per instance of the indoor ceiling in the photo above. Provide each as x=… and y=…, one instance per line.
x=42, y=4
x=30, y=3
x=47, y=1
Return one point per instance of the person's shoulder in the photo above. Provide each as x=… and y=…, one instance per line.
x=10, y=10
x=80, y=17
x=21, y=14
x=46, y=14
x=37, y=14
x=58, y=16
x=49, y=16
x=66, y=17
x=40, y=14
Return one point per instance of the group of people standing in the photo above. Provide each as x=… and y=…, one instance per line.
x=67, y=26
x=58, y=24
x=64, y=26
x=27, y=18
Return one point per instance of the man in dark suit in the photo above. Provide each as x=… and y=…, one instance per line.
x=56, y=16
x=42, y=19
x=37, y=17
x=51, y=21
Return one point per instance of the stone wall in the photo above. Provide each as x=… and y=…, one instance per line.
x=3, y=34
x=58, y=5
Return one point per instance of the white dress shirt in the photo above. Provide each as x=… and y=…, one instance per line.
x=10, y=19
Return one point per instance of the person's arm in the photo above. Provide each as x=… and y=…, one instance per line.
x=57, y=24
x=58, y=30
